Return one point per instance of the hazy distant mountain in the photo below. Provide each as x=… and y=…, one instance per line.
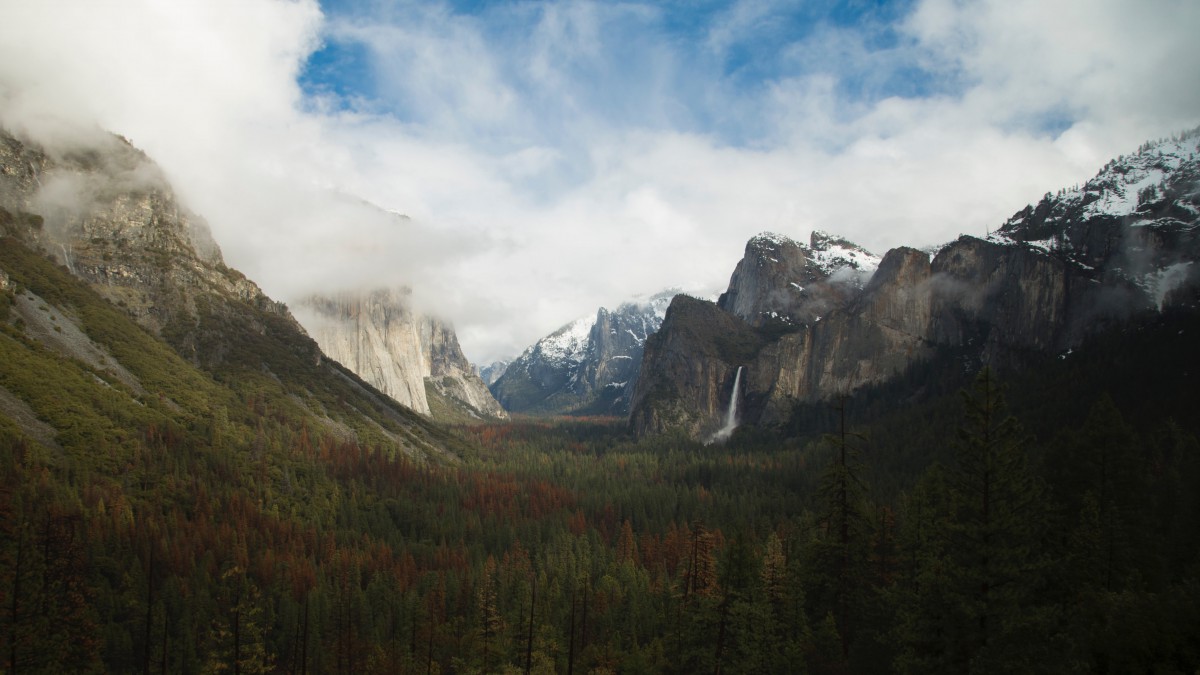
x=811, y=322
x=492, y=372
x=588, y=366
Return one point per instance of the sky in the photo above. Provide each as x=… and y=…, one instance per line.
x=522, y=163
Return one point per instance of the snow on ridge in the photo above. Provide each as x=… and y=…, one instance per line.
x=1130, y=189
x=568, y=343
x=836, y=256
x=1126, y=188
x=655, y=304
x=1114, y=191
x=1121, y=197
x=830, y=253
x=772, y=240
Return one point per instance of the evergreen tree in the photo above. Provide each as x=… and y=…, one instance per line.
x=1098, y=477
x=237, y=639
x=984, y=572
x=842, y=550
x=491, y=622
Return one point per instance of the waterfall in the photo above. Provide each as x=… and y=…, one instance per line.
x=731, y=418
x=67, y=257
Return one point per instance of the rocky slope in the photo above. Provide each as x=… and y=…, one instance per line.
x=104, y=212
x=589, y=366
x=810, y=325
x=401, y=352
x=780, y=280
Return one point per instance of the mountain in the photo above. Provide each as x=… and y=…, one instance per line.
x=144, y=306
x=781, y=280
x=1134, y=222
x=413, y=358
x=811, y=322
x=587, y=367
x=493, y=371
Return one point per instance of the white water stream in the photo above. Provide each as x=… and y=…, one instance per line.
x=731, y=414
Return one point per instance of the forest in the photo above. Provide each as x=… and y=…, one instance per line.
x=958, y=519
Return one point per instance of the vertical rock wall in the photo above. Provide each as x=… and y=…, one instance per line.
x=380, y=338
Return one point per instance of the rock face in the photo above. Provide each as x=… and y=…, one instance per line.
x=810, y=325
x=104, y=211
x=590, y=366
x=689, y=367
x=780, y=280
x=401, y=352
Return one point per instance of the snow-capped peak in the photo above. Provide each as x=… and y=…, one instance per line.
x=567, y=344
x=825, y=251
x=771, y=240
x=1131, y=220
x=1131, y=181
x=831, y=253
x=655, y=304
x=1129, y=187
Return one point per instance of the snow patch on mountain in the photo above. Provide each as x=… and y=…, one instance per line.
x=832, y=253
x=826, y=252
x=1137, y=219
x=569, y=370
x=567, y=344
x=1127, y=187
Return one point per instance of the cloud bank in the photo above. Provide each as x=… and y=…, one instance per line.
x=552, y=157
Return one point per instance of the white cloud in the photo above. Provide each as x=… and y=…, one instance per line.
x=559, y=156
x=1119, y=62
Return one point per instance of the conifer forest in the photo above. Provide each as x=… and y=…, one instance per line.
x=1045, y=519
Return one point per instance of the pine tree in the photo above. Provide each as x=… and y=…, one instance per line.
x=983, y=568
x=237, y=640
x=1098, y=478
x=842, y=550
x=491, y=622
x=627, y=551
x=994, y=551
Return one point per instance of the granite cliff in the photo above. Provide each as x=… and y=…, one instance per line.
x=809, y=325
x=105, y=211
x=779, y=280
x=405, y=354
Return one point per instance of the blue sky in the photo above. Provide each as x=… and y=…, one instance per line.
x=696, y=67
x=553, y=157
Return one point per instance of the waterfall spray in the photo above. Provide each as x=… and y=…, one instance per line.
x=731, y=416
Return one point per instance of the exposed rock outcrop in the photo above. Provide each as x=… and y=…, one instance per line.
x=106, y=212
x=779, y=280
x=689, y=368
x=378, y=336
x=493, y=371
